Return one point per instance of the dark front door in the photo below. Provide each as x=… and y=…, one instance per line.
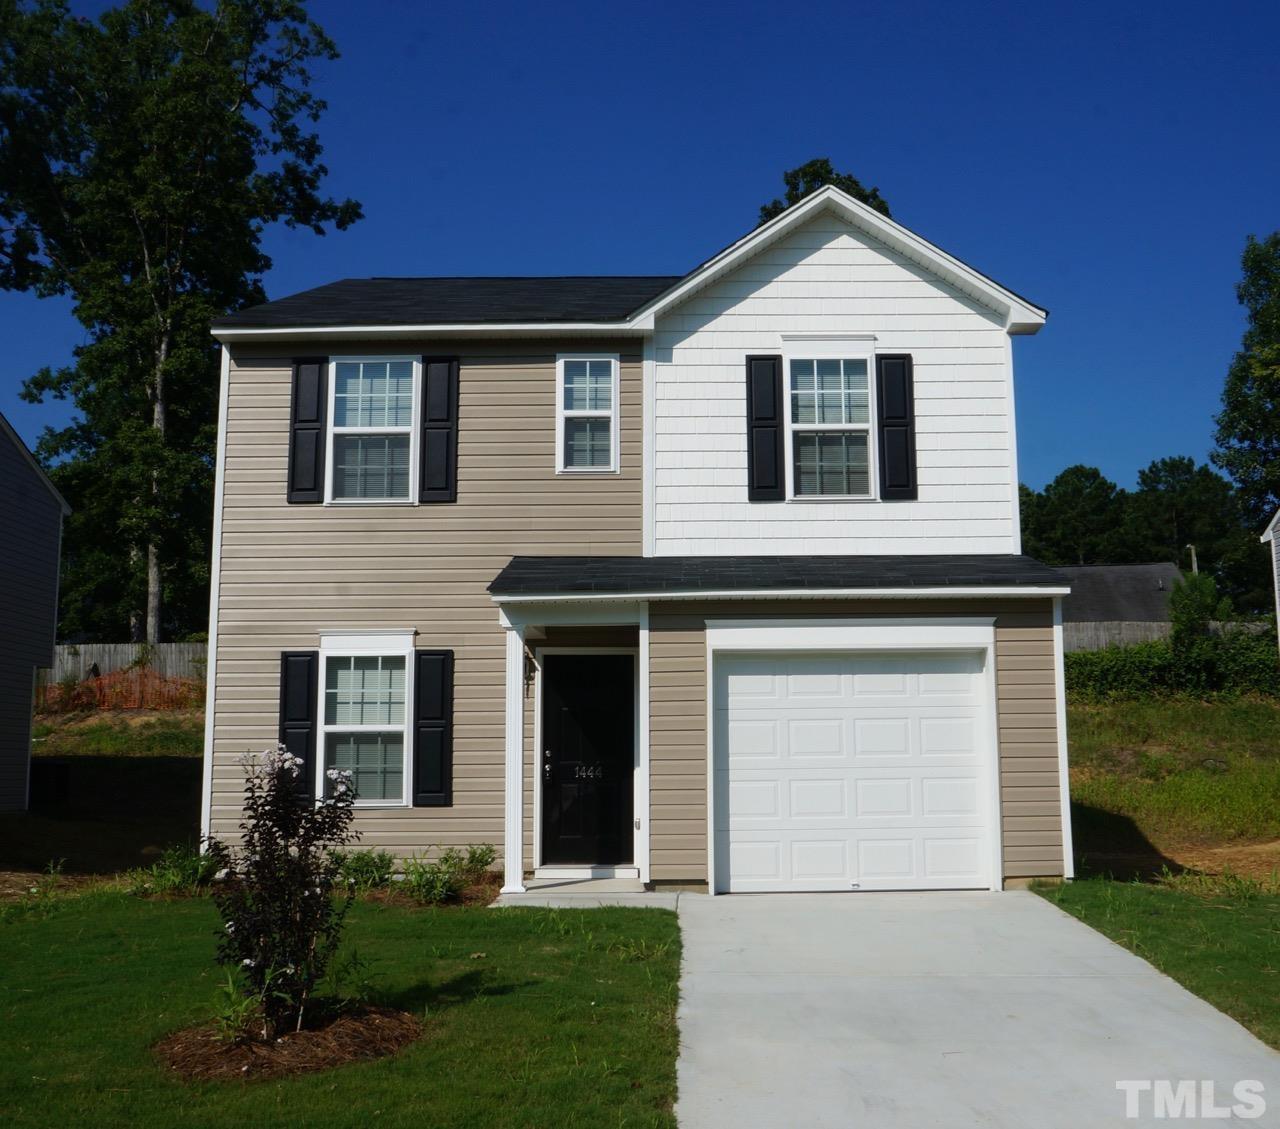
x=587, y=758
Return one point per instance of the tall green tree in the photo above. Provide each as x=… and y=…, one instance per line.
x=1078, y=519
x=142, y=156
x=806, y=179
x=1248, y=434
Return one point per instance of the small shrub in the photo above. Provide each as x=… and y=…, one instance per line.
x=281, y=920
x=480, y=858
x=435, y=882
x=179, y=870
x=366, y=870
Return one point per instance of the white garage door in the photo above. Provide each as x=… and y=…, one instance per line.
x=838, y=772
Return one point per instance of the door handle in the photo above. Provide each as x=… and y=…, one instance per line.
x=546, y=767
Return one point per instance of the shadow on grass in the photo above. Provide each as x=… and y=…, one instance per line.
x=102, y=814
x=1108, y=845
x=459, y=989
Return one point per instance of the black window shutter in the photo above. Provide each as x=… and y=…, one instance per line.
x=433, y=729
x=306, y=434
x=895, y=401
x=765, y=481
x=299, y=679
x=439, y=474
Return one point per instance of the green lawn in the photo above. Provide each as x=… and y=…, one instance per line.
x=1219, y=939
x=534, y=1018
x=139, y=733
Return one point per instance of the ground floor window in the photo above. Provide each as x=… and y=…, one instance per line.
x=364, y=714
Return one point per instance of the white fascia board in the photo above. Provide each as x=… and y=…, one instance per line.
x=398, y=332
x=1273, y=528
x=1020, y=316
x=1022, y=591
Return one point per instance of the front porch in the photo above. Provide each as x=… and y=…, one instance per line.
x=576, y=781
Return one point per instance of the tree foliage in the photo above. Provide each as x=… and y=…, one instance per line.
x=141, y=158
x=806, y=179
x=1248, y=434
x=1082, y=518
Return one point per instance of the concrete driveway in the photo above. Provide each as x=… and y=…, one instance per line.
x=940, y=1009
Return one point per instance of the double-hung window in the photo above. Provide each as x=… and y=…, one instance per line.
x=364, y=715
x=586, y=414
x=373, y=441
x=830, y=422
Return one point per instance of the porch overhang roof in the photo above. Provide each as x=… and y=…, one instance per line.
x=558, y=579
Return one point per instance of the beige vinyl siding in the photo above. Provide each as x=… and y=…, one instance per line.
x=288, y=572
x=1030, y=805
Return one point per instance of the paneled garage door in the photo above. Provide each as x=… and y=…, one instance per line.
x=838, y=772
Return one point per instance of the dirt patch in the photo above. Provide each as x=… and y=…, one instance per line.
x=1248, y=860
x=201, y=1054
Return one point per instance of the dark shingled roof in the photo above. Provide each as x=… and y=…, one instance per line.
x=532, y=576
x=1119, y=592
x=455, y=301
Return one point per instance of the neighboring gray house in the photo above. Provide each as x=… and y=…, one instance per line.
x=1272, y=537
x=31, y=513
x=1114, y=605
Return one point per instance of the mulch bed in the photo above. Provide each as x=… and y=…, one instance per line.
x=201, y=1054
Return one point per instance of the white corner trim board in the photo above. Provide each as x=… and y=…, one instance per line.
x=513, y=823
x=211, y=666
x=1064, y=764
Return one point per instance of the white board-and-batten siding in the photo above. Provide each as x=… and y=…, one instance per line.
x=828, y=278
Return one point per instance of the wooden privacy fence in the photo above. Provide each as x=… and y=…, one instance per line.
x=1099, y=635
x=160, y=676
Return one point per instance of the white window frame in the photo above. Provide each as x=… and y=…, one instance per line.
x=613, y=415
x=844, y=349
x=413, y=431
x=382, y=644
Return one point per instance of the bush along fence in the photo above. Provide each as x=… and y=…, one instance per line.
x=160, y=676
x=1222, y=664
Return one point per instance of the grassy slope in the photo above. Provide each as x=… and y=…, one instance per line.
x=110, y=791
x=1182, y=771
x=535, y=1018
x=1224, y=946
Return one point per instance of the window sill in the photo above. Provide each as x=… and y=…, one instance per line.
x=810, y=499
x=593, y=472
x=344, y=503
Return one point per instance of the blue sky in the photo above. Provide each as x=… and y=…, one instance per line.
x=1106, y=160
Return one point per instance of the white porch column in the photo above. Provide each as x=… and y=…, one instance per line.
x=513, y=834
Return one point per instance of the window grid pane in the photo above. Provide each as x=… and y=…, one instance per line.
x=373, y=394
x=588, y=386
x=831, y=463
x=830, y=392
x=371, y=466
x=364, y=690
x=375, y=761
x=586, y=443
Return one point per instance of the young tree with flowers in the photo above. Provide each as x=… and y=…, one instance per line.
x=282, y=903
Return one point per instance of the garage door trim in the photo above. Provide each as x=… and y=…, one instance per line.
x=851, y=636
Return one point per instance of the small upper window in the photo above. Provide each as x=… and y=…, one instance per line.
x=830, y=428
x=372, y=435
x=587, y=414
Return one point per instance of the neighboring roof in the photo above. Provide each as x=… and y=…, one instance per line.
x=1272, y=532
x=1138, y=593
x=625, y=303
x=550, y=576
x=457, y=301
x=6, y=428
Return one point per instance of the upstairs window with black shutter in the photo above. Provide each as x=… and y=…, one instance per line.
x=373, y=433
x=830, y=412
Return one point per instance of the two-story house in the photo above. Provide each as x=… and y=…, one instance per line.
x=712, y=580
